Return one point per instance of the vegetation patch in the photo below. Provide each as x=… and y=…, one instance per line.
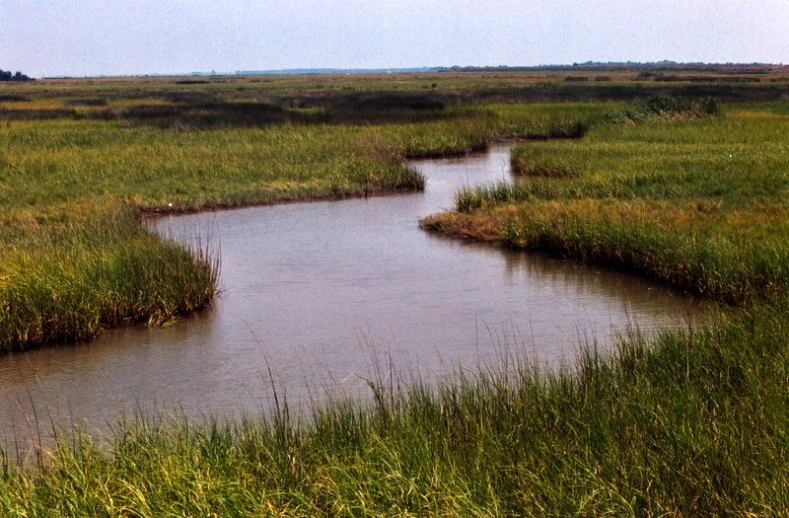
x=665, y=107
x=528, y=162
x=63, y=281
x=13, y=99
x=698, y=204
x=90, y=101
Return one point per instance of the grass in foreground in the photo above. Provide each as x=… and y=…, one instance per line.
x=691, y=424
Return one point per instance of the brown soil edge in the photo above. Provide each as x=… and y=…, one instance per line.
x=470, y=227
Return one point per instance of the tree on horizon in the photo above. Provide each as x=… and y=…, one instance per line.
x=6, y=75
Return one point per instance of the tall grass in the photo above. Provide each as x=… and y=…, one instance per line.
x=71, y=279
x=691, y=424
x=699, y=204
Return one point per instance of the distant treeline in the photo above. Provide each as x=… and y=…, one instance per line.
x=664, y=66
x=7, y=75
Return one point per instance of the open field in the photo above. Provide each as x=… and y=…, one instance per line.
x=690, y=423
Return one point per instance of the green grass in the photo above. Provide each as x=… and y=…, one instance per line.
x=696, y=203
x=78, y=170
x=690, y=423
x=66, y=281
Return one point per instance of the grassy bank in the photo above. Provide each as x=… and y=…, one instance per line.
x=79, y=170
x=690, y=424
x=699, y=203
x=63, y=281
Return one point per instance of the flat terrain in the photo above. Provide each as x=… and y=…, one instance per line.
x=632, y=169
x=84, y=160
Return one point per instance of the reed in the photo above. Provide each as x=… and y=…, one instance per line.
x=687, y=423
x=698, y=204
x=690, y=423
x=70, y=280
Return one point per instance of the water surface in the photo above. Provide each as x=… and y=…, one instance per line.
x=320, y=295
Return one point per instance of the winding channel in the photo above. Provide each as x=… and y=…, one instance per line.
x=318, y=296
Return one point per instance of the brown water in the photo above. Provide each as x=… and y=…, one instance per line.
x=323, y=294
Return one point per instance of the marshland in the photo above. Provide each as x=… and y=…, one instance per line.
x=680, y=182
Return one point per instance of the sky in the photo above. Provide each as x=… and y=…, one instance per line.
x=80, y=38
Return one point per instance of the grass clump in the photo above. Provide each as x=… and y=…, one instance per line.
x=666, y=107
x=695, y=247
x=66, y=280
x=539, y=163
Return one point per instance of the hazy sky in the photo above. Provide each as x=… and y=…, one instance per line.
x=109, y=37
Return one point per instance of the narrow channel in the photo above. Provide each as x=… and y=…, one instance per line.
x=319, y=296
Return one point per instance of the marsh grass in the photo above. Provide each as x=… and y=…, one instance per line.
x=535, y=162
x=666, y=107
x=76, y=166
x=698, y=204
x=687, y=424
x=73, y=278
